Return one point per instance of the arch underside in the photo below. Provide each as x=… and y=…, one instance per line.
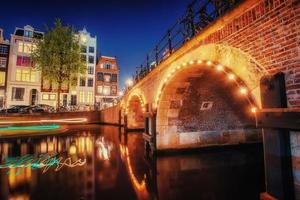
x=200, y=107
x=135, y=118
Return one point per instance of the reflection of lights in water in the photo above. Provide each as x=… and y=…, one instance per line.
x=29, y=128
x=104, y=148
x=72, y=150
x=19, y=197
x=16, y=165
x=138, y=185
x=68, y=120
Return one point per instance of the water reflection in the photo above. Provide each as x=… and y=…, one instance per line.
x=98, y=162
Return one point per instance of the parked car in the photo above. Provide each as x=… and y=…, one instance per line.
x=14, y=109
x=32, y=109
x=47, y=108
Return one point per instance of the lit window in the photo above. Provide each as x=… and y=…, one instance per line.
x=45, y=97
x=2, y=78
x=114, y=90
x=100, y=89
x=28, y=33
x=3, y=62
x=25, y=75
x=81, y=97
x=107, y=77
x=23, y=61
x=52, y=96
x=20, y=47
x=106, y=90
x=89, y=97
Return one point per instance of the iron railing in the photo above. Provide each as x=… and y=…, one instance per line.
x=198, y=15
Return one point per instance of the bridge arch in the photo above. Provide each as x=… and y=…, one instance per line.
x=213, y=88
x=134, y=110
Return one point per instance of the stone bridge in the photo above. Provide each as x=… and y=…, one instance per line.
x=208, y=91
x=239, y=72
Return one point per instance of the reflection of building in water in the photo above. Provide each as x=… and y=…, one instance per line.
x=78, y=180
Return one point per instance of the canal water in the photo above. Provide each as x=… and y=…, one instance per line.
x=99, y=162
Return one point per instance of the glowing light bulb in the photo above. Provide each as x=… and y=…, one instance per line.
x=209, y=63
x=220, y=67
x=184, y=64
x=243, y=91
x=199, y=61
x=191, y=62
x=121, y=93
x=178, y=67
x=129, y=82
x=253, y=109
x=231, y=76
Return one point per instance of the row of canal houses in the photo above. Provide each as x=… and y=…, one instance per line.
x=22, y=84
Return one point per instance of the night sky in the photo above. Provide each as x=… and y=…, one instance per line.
x=126, y=29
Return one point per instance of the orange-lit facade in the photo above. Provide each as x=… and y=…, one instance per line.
x=107, y=81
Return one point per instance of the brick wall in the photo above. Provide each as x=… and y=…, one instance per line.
x=110, y=115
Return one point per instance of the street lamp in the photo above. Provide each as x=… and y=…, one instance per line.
x=129, y=82
x=121, y=93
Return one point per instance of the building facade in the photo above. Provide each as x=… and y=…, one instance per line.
x=23, y=80
x=4, y=58
x=80, y=96
x=107, y=79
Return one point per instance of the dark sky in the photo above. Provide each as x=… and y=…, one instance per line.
x=127, y=29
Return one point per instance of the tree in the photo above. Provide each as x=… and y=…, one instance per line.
x=57, y=55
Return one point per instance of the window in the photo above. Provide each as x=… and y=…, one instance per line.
x=90, y=82
x=3, y=49
x=100, y=89
x=91, y=59
x=90, y=70
x=83, y=58
x=91, y=49
x=25, y=47
x=25, y=75
x=107, y=77
x=18, y=94
x=81, y=97
x=107, y=65
x=114, y=90
x=23, y=61
x=28, y=33
x=82, y=82
x=89, y=97
x=2, y=78
x=114, y=78
x=49, y=97
x=83, y=49
x=106, y=90
x=3, y=62
x=100, y=76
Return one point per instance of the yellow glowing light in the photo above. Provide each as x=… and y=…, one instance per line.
x=173, y=71
x=191, y=62
x=209, y=63
x=243, y=90
x=184, y=64
x=178, y=67
x=253, y=109
x=199, y=61
x=72, y=150
x=220, y=67
x=129, y=82
x=169, y=75
x=121, y=93
x=83, y=38
x=231, y=76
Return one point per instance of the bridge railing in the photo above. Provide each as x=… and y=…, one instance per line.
x=198, y=15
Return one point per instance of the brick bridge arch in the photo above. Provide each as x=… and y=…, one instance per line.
x=134, y=108
x=209, y=90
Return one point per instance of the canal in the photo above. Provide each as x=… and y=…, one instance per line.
x=99, y=162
